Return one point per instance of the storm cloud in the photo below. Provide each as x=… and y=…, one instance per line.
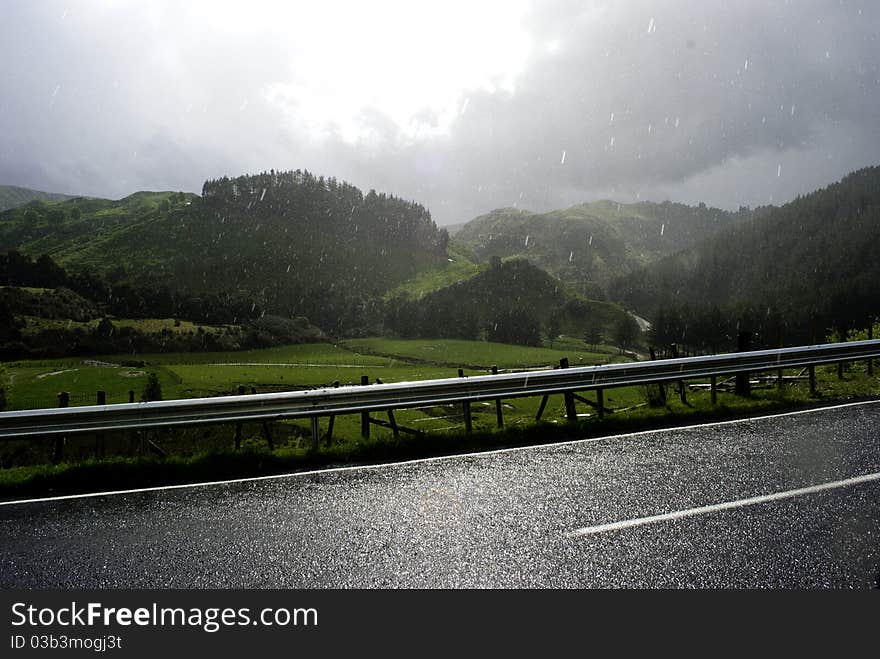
x=728, y=103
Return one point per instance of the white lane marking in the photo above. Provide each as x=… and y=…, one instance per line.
x=727, y=505
x=438, y=458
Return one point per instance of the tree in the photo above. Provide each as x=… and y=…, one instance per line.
x=517, y=326
x=152, y=390
x=55, y=216
x=626, y=331
x=105, y=328
x=593, y=333
x=554, y=328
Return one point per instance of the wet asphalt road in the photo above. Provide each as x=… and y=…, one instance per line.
x=493, y=520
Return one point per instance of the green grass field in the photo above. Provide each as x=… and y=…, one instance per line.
x=477, y=354
x=186, y=375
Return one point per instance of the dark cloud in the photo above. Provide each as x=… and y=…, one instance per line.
x=724, y=102
x=652, y=95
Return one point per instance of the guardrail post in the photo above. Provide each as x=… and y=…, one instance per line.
x=743, y=344
x=682, y=393
x=600, y=402
x=570, y=412
x=812, y=372
x=99, y=437
x=713, y=389
x=60, y=440
x=466, y=409
x=661, y=388
x=238, y=425
x=332, y=418
x=365, y=416
x=499, y=415
x=315, y=433
x=266, y=430
x=870, y=336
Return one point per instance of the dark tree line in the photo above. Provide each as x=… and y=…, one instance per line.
x=794, y=274
x=115, y=295
x=86, y=296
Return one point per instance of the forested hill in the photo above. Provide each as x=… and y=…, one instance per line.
x=508, y=302
x=293, y=243
x=811, y=265
x=588, y=245
x=12, y=196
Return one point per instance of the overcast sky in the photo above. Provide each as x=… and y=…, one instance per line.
x=464, y=106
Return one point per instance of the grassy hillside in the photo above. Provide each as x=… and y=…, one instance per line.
x=291, y=243
x=12, y=196
x=105, y=235
x=460, y=264
x=588, y=245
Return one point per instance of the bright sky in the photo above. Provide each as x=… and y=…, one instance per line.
x=411, y=61
x=462, y=105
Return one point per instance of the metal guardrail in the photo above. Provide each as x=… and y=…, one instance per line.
x=354, y=399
